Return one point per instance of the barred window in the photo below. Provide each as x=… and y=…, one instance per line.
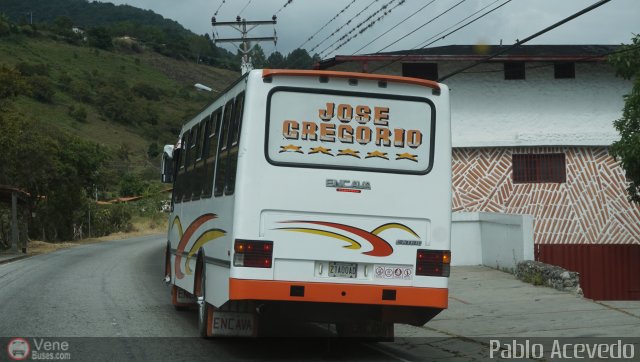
x=514, y=70
x=564, y=70
x=427, y=71
x=539, y=168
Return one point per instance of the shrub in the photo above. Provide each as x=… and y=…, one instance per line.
x=11, y=83
x=147, y=91
x=42, y=88
x=109, y=219
x=79, y=114
x=131, y=185
x=31, y=69
x=81, y=91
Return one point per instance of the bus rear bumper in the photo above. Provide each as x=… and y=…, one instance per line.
x=272, y=290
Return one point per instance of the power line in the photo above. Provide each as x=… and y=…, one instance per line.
x=368, y=26
x=348, y=33
x=329, y=22
x=518, y=43
x=395, y=26
x=461, y=27
x=423, y=25
x=240, y=13
x=219, y=6
x=421, y=45
x=347, y=38
x=345, y=24
x=283, y=6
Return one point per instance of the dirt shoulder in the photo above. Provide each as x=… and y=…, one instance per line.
x=36, y=247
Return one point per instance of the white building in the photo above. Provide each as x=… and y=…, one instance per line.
x=531, y=131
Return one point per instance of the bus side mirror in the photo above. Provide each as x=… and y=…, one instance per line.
x=167, y=164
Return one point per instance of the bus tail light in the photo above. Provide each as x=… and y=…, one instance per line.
x=435, y=263
x=253, y=253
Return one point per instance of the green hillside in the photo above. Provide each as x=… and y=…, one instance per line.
x=85, y=13
x=161, y=35
x=130, y=100
x=84, y=113
x=86, y=118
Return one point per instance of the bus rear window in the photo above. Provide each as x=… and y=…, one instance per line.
x=345, y=130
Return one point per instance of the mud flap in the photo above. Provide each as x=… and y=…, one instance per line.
x=181, y=298
x=231, y=324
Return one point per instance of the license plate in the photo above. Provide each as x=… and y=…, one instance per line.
x=343, y=270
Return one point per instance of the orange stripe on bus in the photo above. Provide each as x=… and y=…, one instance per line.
x=241, y=289
x=324, y=73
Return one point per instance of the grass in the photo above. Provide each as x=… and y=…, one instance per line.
x=534, y=278
x=172, y=77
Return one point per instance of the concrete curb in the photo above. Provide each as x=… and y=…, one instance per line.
x=9, y=259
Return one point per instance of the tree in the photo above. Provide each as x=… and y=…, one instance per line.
x=258, y=58
x=100, y=38
x=56, y=170
x=299, y=59
x=11, y=83
x=276, y=60
x=627, y=149
x=131, y=185
x=63, y=25
x=5, y=26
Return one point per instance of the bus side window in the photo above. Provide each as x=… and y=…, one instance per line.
x=181, y=175
x=223, y=155
x=177, y=155
x=211, y=152
x=235, y=145
x=198, y=168
x=188, y=165
x=204, y=152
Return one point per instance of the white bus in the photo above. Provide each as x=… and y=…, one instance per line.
x=313, y=196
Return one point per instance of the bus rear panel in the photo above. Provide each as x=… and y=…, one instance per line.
x=341, y=203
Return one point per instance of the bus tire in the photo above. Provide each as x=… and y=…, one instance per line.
x=366, y=331
x=205, y=311
x=167, y=264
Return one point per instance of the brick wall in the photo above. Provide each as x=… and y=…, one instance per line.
x=590, y=208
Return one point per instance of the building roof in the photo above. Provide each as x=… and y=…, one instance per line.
x=527, y=53
x=6, y=192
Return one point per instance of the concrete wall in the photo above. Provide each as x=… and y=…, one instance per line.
x=489, y=111
x=491, y=239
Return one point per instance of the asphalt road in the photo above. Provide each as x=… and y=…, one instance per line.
x=114, y=291
x=109, y=303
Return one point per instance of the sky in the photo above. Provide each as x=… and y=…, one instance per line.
x=615, y=22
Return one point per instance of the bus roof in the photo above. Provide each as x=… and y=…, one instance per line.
x=332, y=74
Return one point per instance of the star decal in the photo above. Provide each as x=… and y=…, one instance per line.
x=291, y=148
x=377, y=154
x=320, y=149
x=349, y=152
x=407, y=156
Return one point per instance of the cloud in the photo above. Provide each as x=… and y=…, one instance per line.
x=612, y=23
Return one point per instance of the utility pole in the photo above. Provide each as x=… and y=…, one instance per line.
x=241, y=26
x=14, y=222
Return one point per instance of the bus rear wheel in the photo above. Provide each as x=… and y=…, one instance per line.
x=369, y=331
x=205, y=311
